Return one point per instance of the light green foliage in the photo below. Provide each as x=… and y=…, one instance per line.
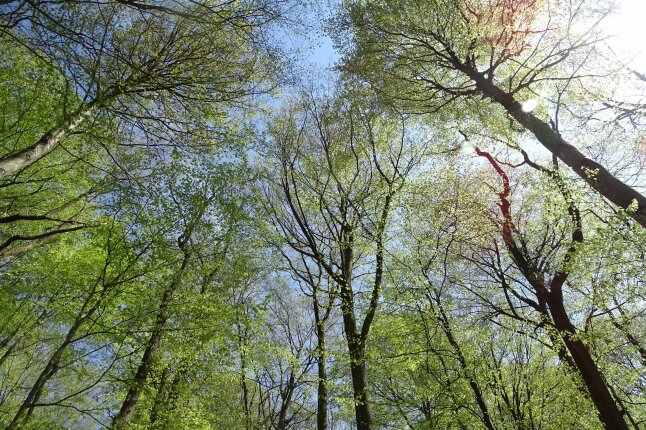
x=169, y=231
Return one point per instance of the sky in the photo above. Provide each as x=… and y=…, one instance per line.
x=628, y=25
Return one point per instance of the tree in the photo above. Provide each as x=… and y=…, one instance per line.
x=427, y=55
x=117, y=267
x=339, y=174
x=159, y=69
x=547, y=277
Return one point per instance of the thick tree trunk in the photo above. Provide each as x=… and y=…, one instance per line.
x=597, y=176
x=128, y=408
x=360, y=387
x=356, y=351
x=355, y=342
x=13, y=163
x=609, y=413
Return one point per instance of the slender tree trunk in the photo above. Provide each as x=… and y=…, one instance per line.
x=243, y=381
x=51, y=368
x=160, y=402
x=286, y=399
x=321, y=356
x=475, y=387
x=168, y=394
x=621, y=324
x=128, y=408
x=609, y=413
x=597, y=176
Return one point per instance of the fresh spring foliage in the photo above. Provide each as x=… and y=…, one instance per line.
x=446, y=231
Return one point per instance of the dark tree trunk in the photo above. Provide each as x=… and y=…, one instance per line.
x=286, y=400
x=321, y=356
x=357, y=361
x=355, y=342
x=128, y=408
x=597, y=176
x=609, y=413
x=360, y=387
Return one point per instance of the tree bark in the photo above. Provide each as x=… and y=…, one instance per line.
x=609, y=413
x=355, y=342
x=13, y=163
x=356, y=351
x=597, y=176
x=128, y=408
x=321, y=356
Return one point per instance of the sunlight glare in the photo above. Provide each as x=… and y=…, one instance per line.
x=529, y=105
x=626, y=25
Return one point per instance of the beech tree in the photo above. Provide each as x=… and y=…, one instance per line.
x=445, y=231
x=157, y=68
x=335, y=195
x=425, y=56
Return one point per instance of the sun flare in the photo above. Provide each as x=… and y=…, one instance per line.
x=627, y=27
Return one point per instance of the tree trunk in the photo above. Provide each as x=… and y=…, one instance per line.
x=609, y=414
x=122, y=419
x=321, y=356
x=355, y=342
x=160, y=397
x=13, y=163
x=360, y=387
x=286, y=400
x=242, y=345
x=592, y=172
x=475, y=387
x=356, y=351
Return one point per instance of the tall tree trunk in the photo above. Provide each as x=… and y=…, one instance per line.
x=242, y=344
x=609, y=413
x=13, y=163
x=473, y=383
x=354, y=340
x=360, y=387
x=321, y=357
x=286, y=399
x=356, y=351
x=161, y=397
x=597, y=176
x=128, y=408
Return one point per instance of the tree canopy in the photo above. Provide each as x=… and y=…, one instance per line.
x=199, y=230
